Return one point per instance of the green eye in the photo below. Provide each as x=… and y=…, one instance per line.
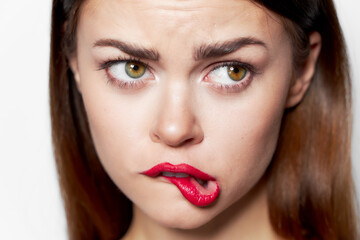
x=236, y=73
x=135, y=69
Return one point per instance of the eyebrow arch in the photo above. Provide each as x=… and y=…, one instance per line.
x=131, y=49
x=220, y=49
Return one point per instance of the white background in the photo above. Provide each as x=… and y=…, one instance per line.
x=30, y=203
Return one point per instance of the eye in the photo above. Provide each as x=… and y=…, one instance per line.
x=231, y=77
x=128, y=71
x=228, y=74
x=236, y=73
x=134, y=69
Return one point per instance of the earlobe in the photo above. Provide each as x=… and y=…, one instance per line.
x=302, y=80
x=73, y=63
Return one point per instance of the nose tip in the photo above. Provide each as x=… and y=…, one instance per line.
x=176, y=122
x=178, y=130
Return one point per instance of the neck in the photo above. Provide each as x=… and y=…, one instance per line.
x=247, y=218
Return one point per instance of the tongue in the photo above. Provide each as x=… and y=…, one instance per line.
x=194, y=192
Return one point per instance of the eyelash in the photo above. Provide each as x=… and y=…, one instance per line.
x=251, y=71
x=117, y=82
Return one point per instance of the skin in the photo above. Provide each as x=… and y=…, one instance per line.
x=178, y=117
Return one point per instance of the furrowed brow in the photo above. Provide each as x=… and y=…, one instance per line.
x=220, y=49
x=131, y=49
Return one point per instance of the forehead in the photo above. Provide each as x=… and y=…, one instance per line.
x=148, y=20
x=177, y=16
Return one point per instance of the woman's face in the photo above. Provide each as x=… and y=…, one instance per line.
x=206, y=85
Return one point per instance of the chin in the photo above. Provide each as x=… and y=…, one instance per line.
x=187, y=223
x=188, y=218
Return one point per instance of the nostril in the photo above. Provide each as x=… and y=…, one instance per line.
x=180, y=143
x=177, y=136
x=175, y=139
x=154, y=137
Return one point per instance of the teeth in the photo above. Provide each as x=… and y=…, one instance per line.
x=177, y=175
x=202, y=182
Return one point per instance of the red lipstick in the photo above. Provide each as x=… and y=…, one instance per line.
x=196, y=186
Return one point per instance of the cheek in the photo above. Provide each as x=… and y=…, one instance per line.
x=119, y=129
x=243, y=133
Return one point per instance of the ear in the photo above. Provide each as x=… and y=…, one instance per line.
x=302, y=79
x=75, y=69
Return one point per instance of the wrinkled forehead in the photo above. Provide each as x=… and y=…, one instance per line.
x=185, y=23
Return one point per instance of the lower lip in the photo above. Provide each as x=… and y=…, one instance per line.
x=194, y=192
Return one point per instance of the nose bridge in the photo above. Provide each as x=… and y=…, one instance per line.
x=176, y=123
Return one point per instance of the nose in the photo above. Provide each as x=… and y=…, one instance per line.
x=176, y=123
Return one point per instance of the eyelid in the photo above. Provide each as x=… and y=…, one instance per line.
x=236, y=86
x=108, y=63
x=247, y=66
x=121, y=83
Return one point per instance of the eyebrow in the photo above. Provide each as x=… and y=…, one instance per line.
x=221, y=49
x=131, y=49
x=205, y=51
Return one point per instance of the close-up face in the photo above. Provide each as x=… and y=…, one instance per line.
x=196, y=84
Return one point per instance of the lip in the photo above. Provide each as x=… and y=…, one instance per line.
x=201, y=195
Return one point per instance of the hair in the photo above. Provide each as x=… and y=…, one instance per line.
x=310, y=187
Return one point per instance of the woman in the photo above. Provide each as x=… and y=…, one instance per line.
x=202, y=120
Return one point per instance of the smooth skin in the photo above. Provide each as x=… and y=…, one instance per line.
x=179, y=114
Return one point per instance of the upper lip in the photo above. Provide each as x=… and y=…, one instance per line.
x=180, y=168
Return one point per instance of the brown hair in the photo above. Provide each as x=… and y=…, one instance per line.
x=311, y=193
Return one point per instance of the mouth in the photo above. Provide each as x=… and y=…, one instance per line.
x=196, y=186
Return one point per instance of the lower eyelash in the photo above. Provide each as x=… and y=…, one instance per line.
x=123, y=84
x=233, y=88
